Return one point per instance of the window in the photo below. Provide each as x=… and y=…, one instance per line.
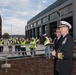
x=45, y=19
x=31, y=25
x=70, y=8
x=46, y=29
x=53, y=16
x=39, y=22
x=40, y=31
x=66, y=10
x=34, y=24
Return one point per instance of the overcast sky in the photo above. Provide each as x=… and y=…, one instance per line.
x=16, y=13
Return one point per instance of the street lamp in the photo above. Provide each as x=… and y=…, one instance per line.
x=11, y=31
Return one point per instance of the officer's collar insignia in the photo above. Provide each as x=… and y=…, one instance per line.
x=64, y=41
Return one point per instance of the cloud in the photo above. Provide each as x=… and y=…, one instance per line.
x=4, y=2
x=14, y=21
x=18, y=12
x=44, y=1
x=17, y=25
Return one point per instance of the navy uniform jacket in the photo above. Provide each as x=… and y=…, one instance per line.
x=57, y=43
x=64, y=66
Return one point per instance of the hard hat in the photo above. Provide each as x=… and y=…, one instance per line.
x=44, y=34
x=16, y=38
x=32, y=38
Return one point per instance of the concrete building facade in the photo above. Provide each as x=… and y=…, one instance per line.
x=0, y=27
x=48, y=20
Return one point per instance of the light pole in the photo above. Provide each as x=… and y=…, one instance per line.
x=18, y=33
x=11, y=31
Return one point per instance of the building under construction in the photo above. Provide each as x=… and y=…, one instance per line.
x=48, y=20
x=0, y=27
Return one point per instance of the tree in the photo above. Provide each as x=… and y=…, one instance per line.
x=6, y=35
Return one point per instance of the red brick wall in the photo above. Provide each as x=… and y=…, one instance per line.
x=31, y=66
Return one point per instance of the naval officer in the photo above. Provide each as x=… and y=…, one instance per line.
x=64, y=54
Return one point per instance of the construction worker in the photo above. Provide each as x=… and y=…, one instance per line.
x=23, y=46
x=46, y=42
x=27, y=40
x=32, y=46
x=10, y=45
x=1, y=44
x=14, y=40
x=17, y=45
x=37, y=40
